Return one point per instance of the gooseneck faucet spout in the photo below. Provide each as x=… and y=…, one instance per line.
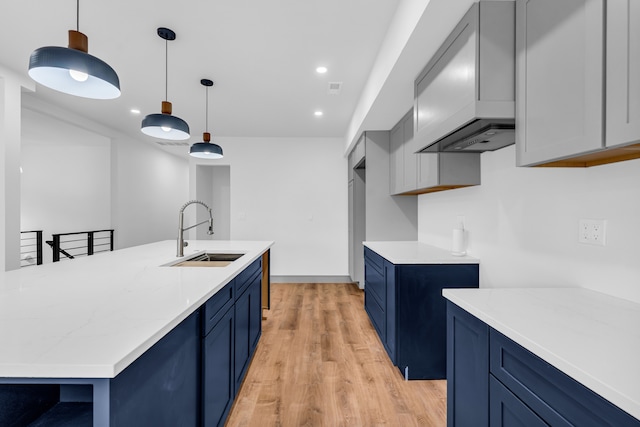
x=182, y=229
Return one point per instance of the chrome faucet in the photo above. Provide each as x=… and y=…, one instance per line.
x=181, y=229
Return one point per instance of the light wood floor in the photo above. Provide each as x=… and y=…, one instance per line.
x=320, y=363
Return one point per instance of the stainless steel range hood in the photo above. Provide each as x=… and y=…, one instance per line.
x=478, y=136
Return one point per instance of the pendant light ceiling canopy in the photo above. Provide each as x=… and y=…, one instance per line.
x=206, y=149
x=72, y=70
x=165, y=125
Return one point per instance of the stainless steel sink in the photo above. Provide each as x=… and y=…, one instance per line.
x=208, y=259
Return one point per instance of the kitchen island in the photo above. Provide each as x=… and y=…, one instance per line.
x=98, y=330
x=557, y=356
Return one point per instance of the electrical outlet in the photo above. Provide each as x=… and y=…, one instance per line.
x=592, y=231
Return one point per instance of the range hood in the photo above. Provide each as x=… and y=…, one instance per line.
x=476, y=137
x=465, y=95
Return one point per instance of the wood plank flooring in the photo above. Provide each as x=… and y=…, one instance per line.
x=320, y=363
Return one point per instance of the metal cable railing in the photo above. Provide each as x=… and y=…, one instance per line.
x=30, y=248
x=81, y=243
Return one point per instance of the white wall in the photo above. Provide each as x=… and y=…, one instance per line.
x=65, y=185
x=292, y=191
x=149, y=187
x=523, y=224
x=106, y=180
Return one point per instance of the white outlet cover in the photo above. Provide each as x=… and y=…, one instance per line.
x=592, y=231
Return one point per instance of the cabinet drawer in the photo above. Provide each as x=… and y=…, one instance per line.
x=374, y=278
x=246, y=276
x=375, y=283
x=554, y=396
x=507, y=410
x=215, y=308
x=376, y=314
x=374, y=260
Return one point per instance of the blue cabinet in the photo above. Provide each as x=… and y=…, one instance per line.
x=161, y=387
x=390, y=312
x=375, y=292
x=467, y=369
x=509, y=411
x=232, y=324
x=406, y=307
x=493, y=381
x=248, y=317
x=218, y=386
x=380, y=299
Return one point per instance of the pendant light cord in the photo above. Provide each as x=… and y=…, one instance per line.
x=78, y=15
x=166, y=70
x=206, y=117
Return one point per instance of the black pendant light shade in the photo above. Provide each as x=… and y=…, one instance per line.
x=72, y=70
x=165, y=125
x=206, y=149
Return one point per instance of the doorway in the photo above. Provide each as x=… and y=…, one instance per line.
x=213, y=187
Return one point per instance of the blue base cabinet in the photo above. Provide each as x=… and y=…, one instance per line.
x=493, y=381
x=248, y=327
x=217, y=371
x=407, y=309
x=467, y=369
x=161, y=388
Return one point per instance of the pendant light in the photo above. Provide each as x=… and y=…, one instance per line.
x=72, y=70
x=206, y=149
x=165, y=126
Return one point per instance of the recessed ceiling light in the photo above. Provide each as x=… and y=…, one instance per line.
x=135, y=111
x=318, y=113
x=321, y=70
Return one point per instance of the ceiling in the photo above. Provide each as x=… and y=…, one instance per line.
x=262, y=56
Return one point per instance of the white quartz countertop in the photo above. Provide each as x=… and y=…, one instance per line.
x=413, y=252
x=592, y=337
x=91, y=317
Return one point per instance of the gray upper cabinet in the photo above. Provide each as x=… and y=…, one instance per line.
x=560, y=69
x=446, y=171
x=623, y=72
x=358, y=154
x=408, y=152
x=402, y=159
x=396, y=159
x=412, y=173
x=471, y=76
x=562, y=92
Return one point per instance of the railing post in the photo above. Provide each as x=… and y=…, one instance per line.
x=111, y=239
x=39, y=247
x=56, y=247
x=90, y=243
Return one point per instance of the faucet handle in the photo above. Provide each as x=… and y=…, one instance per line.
x=185, y=244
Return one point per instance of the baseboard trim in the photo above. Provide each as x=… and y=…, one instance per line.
x=311, y=279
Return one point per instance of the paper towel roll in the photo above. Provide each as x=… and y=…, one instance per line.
x=457, y=248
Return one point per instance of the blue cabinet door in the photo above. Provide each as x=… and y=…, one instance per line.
x=467, y=369
x=508, y=411
x=422, y=315
x=255, y=313
x=248, y=313
x=390, y=311
x=217, y=371
x=241, y=356
x=375, y=297
x=162, y=387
